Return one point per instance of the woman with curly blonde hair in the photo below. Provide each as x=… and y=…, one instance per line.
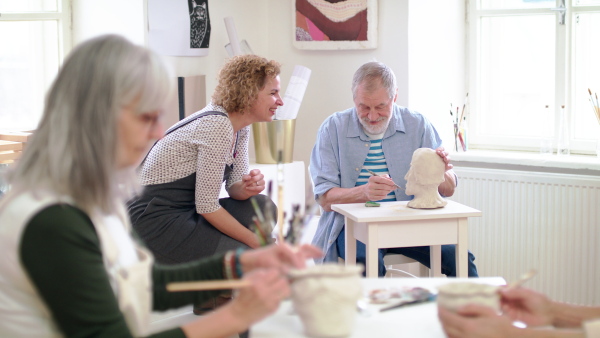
x=179, y=214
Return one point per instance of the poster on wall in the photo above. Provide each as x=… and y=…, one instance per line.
x=335, y=24
x=179, y=27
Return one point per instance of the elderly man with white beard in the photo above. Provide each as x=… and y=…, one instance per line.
x=379, y=136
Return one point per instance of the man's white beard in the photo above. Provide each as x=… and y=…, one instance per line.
x=377, y=129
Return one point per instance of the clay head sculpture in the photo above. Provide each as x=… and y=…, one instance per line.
x=422, y=180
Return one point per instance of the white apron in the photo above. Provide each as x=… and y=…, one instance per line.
x=128, y=265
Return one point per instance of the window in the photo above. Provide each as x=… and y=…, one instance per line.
x=34, y=37
x=523, y=56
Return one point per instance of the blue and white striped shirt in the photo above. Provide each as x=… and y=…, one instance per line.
x=375, y=162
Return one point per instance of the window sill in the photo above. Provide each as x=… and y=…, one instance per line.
x=528, y=161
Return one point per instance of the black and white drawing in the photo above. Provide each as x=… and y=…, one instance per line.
x=199, y=23
x=179, y=27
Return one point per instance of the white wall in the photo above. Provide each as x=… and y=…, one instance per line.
x=92, y=18
x=437, y=59
x=422, y=41
x=127, y=17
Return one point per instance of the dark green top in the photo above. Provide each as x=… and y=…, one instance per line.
x=60, y=251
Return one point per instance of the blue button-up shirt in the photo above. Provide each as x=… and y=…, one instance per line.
x=340, y=152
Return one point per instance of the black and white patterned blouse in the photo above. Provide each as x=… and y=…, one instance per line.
x=204, y=146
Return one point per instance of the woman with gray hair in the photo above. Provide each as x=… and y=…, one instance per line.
x=70, y=266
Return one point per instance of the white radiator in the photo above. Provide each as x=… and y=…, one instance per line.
x=550, y=222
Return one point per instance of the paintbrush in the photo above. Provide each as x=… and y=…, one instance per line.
x=457, y=116
x=268, y=209
x=596, y=110
x=428, y=298
x=455, y=122
x=262, y=225
x=462, y=141
x=261, y=230
x=257, y=210
x=595, y=105
x=310, y=212
x=295, y=229
x=280, y=216
x=208, y=285
x=462, y=113
x=375, y=174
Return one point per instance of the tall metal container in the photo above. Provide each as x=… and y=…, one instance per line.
x=272, y=137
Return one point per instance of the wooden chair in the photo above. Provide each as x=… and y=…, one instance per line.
x=11, y=145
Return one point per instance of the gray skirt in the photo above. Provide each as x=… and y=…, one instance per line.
x=164, y=217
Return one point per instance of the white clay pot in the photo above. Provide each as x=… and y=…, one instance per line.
x=455, y=295
x=325, y=296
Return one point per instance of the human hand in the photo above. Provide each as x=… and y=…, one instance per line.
x=281, y=257
x=527, y=306
x=475, y=321
x=268, y=288
x=378, y=187
x=444, y=155
x=254, y=182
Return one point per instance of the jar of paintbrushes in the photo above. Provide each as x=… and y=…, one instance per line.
x=459, y=121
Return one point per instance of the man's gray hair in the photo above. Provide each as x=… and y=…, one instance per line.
x=73, y=152
x=374, y=74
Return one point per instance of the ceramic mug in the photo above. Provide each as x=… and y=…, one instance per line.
x=325, y=297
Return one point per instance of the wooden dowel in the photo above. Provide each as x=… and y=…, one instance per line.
x=208, y=285
x=280, y=203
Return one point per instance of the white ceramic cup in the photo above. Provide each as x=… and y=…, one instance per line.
x=325, y=296
x=452, y=296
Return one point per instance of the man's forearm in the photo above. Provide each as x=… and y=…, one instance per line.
x=342, y=195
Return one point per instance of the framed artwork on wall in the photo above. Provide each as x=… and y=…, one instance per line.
x=179, y=28
x=335, y=24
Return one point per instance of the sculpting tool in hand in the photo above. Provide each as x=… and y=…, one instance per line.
x=375, y=174
x=208, y=285
x=431, y=298
x=524, y=278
